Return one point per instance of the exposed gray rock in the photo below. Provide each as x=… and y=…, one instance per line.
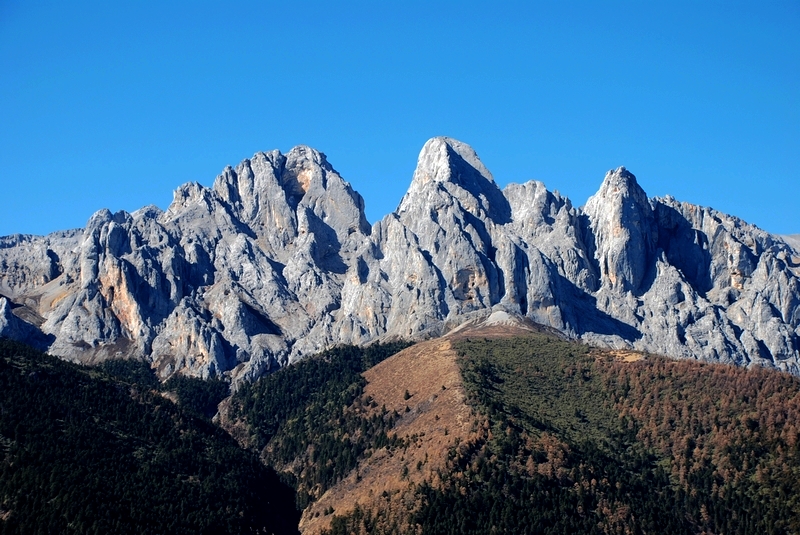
x=622, y=227
x=276, y=261
x=11, y=326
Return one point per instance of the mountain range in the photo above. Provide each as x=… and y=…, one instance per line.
x=277, y=261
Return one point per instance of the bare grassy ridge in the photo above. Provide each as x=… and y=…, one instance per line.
x=422, y=384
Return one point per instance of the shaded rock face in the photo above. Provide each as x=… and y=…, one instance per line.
x=276, y=261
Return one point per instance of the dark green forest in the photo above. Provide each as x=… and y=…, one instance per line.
x=100, y=450
x=196, y=396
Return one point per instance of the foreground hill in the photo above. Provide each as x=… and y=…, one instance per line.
x=503, y=426
x=84, y=451
x=276, y=261
x=503, y=429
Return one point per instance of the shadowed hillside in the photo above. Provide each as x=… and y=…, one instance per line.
x=85, y=452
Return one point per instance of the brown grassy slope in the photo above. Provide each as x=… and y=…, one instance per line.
x=432, y=420
x=424, y=386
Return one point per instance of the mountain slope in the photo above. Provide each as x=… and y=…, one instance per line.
x=602, y=446
x=84, y=451
x=549, y=436
x=423, y=387
x=276, y=262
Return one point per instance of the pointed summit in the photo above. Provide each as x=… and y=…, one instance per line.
x=444, y=159
x=624, y=228
x=621, y=181
x=446, y=164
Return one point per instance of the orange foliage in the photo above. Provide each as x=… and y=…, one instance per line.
x=733, y=421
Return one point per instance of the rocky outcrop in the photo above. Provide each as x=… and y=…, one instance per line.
x=276, y=261
x=16, y=328
x=623, y=231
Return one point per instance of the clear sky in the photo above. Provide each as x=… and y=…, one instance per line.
x=115, y=104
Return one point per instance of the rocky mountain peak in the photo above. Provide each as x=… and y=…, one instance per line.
x=625, y=234
x=444, y=159
x=448, y=169
x=620, y=178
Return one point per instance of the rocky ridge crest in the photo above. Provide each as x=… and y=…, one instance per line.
x=277, y=261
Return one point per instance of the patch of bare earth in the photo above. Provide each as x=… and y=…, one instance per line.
x=423, y=385
x=501, y=325
x=621, y=355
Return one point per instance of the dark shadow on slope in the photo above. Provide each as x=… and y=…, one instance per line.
x=590, y=246
x=579, y=311
x=255, y=322
x=326, y=245
x=56, y=268
x=685, y=247
x=483, y=189
x=581, y=314
x=444, y=309
x=650, y=274
x=24, y=325
x=521, y=266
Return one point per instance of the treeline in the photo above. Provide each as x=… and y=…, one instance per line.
x=312, y=420
x=89, y=450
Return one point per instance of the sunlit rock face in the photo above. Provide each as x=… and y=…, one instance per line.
x=277, y=261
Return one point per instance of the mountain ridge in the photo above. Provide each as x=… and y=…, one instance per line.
x=277, y=261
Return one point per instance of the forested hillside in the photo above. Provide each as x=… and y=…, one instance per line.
x=99, y=450
x=568, y=440
x=311, y=421
x=556, y=438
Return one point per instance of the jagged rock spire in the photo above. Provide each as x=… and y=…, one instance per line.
x=449, y=168
x=624, y=230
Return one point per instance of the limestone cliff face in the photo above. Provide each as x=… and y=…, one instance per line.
x=623, y=230
x=276, y=261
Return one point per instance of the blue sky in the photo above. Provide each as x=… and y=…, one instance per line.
x=115, y=104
